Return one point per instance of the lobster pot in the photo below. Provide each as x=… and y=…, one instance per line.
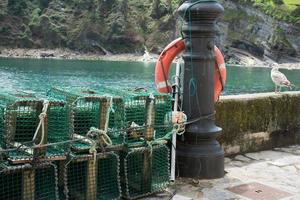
x=144, y=114
x=83, y=178
x=58, y=129
x=88, y=108
x=144, y=171
x=21, y=115
x=27, y=182
x=2, y=143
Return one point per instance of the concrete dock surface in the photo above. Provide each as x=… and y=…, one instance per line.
x=264, y=175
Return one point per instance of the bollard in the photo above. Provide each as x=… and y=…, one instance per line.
x=199, y=154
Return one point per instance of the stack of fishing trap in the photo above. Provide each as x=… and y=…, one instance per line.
x=144, y=114
x=28, y=124
x=28, y=182
x=145, y=159
x=102, y=144
x=87, y=174
x=92, y=118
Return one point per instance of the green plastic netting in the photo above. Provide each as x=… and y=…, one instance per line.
x=130, y=117
x=85, y=180
x=2, y=143
x=144, y=171
x=27, y=182
x=144, y=113
x=89, y=108
x=21, y=115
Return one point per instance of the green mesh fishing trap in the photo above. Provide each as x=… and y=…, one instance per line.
x=2, y=143
x=27, y=182
x=144, y=113
x=81, y=178
x=88, y=109
x=21, y=115
x=144, y=171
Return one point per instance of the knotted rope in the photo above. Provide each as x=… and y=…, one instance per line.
x=41, y=124
x=100, y=137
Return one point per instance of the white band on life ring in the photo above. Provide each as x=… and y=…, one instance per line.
x=163, y=84
x=222, y=66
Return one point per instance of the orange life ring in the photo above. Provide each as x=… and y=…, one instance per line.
x=163, y=66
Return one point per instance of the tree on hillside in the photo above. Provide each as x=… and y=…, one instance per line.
x=278, y=2
x=17, y=7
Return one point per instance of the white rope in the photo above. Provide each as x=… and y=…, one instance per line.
x=41, y=124
x=101, y=135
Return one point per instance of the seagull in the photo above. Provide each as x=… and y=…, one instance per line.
x=280, y=79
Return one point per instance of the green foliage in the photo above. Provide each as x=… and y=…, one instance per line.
x=296, y=12
x=17, y=7
x=279, y=9
x=5, y=30
x=35, y=17
x=121, y=26
x=43, y=3
x=278, y=2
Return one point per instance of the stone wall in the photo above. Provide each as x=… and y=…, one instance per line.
x=256, y=122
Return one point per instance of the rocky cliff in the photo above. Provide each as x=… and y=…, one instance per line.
x=247, y=28
x=130, y=26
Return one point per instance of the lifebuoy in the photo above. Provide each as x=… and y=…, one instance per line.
x=163, y=66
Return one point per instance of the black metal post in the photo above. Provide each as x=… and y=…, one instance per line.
x=199, y=155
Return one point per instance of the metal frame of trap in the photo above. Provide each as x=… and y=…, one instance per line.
x=12, y=118
x=89, y=97
x=148, y=105
x=92, y=184
x=144, y=170
x=26, y=181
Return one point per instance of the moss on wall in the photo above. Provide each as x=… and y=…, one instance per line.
x=276, y=116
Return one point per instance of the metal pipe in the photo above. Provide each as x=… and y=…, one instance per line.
x=174, y=136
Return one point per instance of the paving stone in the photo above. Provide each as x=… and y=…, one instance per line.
x=227, y=160
x=242, y=158
x=267, y=155
x=294, y=197
x=258, y=191
x=297, y=146
x=293, y=150
x=181, y=197
x=234, y=163
x=276, y=169
x=297, y=167
x=290, y=168
x=285, y=161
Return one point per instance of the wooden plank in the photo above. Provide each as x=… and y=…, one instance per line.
x=61, y=173
x=91, y=181
x=28, y=184
x=30, y=151
x=103, y=113
x=150, y=119
x=29, y=159
x=147, y=171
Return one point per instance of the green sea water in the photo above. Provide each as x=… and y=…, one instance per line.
x=40, y=75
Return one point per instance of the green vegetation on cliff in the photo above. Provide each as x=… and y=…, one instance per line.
x=287, y=10
x=91, y=25
x=119, y=26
